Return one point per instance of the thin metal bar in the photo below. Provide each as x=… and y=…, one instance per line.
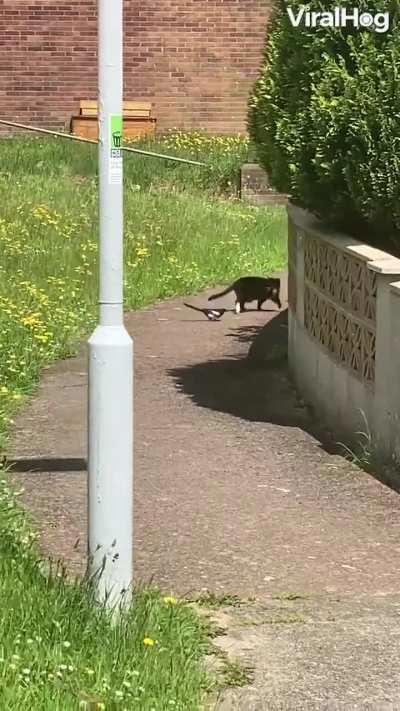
x=72, y=137
x=160, y=155
x=46, y=130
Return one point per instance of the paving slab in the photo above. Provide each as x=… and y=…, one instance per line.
x=330, y=653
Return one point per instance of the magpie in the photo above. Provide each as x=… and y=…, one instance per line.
x=212, y=314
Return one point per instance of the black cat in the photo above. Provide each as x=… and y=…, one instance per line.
x=253, y=288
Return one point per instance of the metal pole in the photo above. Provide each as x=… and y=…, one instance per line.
x=110, y=400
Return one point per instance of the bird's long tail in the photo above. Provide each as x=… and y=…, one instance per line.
x=196, y=308
x=222, y=293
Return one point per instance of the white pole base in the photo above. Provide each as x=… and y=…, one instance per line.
x=110, y=463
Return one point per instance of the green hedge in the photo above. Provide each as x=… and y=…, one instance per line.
x=325, y=118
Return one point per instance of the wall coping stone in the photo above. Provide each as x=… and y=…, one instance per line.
x=386, y=266
x=377, y=260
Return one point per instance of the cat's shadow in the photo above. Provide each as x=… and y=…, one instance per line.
x=203, y=319
x=249, y=310
x=255, y=387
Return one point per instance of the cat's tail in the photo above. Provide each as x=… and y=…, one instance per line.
x=222, y=293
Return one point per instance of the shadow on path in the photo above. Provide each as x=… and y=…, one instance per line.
x=256, y=388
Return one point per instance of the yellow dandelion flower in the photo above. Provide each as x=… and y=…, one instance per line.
x=169, y=600
x=148, y=641
x=31, y=320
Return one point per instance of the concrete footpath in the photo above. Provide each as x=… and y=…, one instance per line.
x=237, y=492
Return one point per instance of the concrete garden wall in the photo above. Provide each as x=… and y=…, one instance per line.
x=344, y=329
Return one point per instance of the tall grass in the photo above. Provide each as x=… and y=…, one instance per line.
x=60, y=652
x=370, y=454
x=223, y=156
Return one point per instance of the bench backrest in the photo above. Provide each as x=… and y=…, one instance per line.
x=131, y=109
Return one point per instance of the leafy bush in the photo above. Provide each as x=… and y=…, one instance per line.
x=325, y=118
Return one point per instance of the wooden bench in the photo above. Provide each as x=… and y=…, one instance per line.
x=137, y=120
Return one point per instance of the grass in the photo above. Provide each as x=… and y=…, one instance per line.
x=235, y=674
x=60, y=652
x=223, y=156
x=184, y=229
x=176, y=242
x=214, y=601
x=285, y=618
x=367, y=454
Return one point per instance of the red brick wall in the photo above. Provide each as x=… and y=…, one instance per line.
x=194, y=59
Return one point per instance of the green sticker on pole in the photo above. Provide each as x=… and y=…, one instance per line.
x=115, y=162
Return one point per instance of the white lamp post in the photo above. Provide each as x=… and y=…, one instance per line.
x=110, y=399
